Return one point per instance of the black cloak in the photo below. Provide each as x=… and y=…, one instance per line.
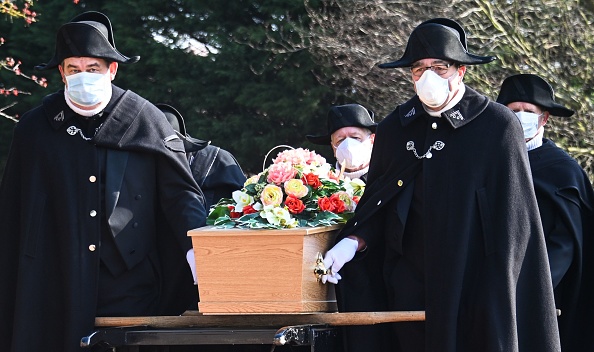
x=217, y=172
x=566, y=203
x=487, y=283
x=52, y=210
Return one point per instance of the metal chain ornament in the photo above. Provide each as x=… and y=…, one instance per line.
x=438, y=145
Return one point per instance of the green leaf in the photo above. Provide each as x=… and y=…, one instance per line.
x=327, y=215
x=223, y=220
x=219, y=211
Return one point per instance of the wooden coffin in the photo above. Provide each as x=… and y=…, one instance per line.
x=262, y=271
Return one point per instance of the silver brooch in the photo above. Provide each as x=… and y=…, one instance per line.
x=438, y=145
x=72, y=130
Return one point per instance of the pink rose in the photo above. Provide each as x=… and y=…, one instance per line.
x=281, y=172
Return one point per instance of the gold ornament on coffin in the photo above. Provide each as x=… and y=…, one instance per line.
x=320, y=269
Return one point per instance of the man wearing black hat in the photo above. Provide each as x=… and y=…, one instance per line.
x=351, y=131
x=96, y=191
x=565, y=202
x=449, y=197
x=216, y=171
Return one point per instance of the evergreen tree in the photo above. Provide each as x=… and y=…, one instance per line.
x=241, y=96
x=238, y=95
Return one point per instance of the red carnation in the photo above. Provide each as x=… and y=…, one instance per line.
x=325, y=204
x=233, y=214
x=249, y=209
x=312, y=180
x=295, y=205
x=339, y=206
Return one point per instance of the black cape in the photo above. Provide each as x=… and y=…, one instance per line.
x=51, y=204
x=486, y=275
x=566, y=203
x=217, y=172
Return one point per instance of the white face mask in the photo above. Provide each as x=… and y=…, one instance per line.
x=432, y=89
x=353, y=154
x=88, y=89
x=529, y=122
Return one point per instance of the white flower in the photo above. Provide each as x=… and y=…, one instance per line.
x=354, y=186
x=278, y=216
x=320, y=171
x=241, y=200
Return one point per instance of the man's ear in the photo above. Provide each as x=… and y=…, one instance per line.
x=113, y=69
x=372, y=138
x=461, y=71
x=544, y=118
x=61, y=69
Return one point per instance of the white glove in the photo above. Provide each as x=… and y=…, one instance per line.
x=336, y=257
x=192, y=262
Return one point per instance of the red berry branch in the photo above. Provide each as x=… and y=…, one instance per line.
x=10, y=8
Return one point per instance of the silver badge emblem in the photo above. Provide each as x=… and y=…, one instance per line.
x=59, y=117
x=410, y=113
x=456, y=115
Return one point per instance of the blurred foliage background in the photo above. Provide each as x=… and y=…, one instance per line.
x=253, y=74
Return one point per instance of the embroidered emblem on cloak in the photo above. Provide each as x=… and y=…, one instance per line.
x=456, y=115
x=60, y=116
x=410, y=113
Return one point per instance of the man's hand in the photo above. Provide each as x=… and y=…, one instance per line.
x=192, y=262
x=336, y=257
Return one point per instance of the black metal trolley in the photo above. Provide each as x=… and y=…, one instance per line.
x=315, y=332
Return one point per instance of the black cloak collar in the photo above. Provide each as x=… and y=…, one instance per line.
x=132, y=123
x=469, y=107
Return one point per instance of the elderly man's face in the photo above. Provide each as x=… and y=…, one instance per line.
x=357, y=133
x=520, y=106
x=353, y=156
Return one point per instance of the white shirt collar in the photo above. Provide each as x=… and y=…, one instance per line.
x=537, y=140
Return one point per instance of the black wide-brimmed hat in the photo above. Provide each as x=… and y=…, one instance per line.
x=176, y=120
x=350, y=115
x=439, y=38
x=531, y=89
x=86, y=35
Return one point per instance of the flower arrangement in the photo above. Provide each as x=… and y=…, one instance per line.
x=299, y=189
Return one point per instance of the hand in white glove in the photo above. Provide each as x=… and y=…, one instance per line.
x=336, y=257
x=192, y=262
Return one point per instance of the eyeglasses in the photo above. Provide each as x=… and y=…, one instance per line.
x=440, y=69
